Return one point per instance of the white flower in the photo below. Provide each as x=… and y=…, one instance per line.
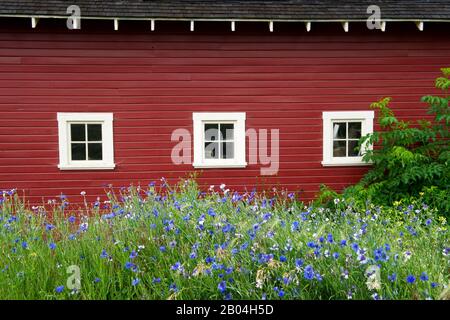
x=259, y=283
x=407, y=255
x=222, y=186
x=445, y=251
x=83, y=193
x=373, y=282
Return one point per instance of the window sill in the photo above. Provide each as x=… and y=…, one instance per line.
x=87, y=167
x=218, y=166
x=344, y=164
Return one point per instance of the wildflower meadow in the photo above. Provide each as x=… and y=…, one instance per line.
x=177, y=242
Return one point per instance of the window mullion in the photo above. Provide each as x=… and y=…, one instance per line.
x=86, y=141
x=346, y=140
x=219, y=138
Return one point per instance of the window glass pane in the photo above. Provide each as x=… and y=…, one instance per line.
x=94, y=132
x=211, y=131
x=211, y=150
x=354, y=130
x=77, y=132
x=78, y=151
x=339, y=130
x=339, y=149
x=227, y=131
x=94, y=151
x=352, y=145
x=227, y=151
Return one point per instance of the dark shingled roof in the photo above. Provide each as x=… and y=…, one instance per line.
x=234, y=9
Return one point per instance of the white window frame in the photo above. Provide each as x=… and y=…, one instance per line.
x=64, y=121
x=366, y=118
x=238, y=119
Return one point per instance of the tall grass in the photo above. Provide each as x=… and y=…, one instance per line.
x=179, y=243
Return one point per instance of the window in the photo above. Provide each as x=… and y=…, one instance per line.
x=219, y=140
x=341, y=133
x=85, y=141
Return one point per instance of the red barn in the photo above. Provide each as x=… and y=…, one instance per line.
x=251, y=94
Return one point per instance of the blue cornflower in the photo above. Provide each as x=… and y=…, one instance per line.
x=295, y=226
x=97, y=280
x=410, y=279
x=229, y=270
x=210, y=259
x=281, y=293
x=355, y=247
x=298, y=263
x=424, y=276
x=162, y=248
x=193, y=255
x=318, y=276
x=24, y=245
x=133, y=254
x=59, y=289
x=52, y=246
x=308, y=273
x=134, y=282
x=376, y=296
x=311, y=244
x=130, y=266
x=49, y=227
x=71, y=219
x=330, y=238
x=283, y=259
x=343, y=243
x=392, y=277
x=176, y=266
x=434, y=284
x=211, y=212
x=222, y=286
x=335, y=255
x=104, y=254
x=156, y=280
x=428, y=222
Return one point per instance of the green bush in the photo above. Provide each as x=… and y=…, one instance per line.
x=409, y=158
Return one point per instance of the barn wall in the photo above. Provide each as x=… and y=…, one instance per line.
x=153, y=81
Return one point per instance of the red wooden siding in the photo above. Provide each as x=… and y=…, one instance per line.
x=152, y=82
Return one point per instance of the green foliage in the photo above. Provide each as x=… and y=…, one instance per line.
x=409, y=157
x=325, y=197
